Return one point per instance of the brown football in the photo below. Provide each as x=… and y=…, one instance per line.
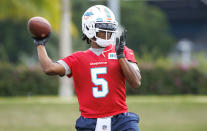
x=39, y=27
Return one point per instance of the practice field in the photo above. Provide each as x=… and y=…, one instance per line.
x=157, y=113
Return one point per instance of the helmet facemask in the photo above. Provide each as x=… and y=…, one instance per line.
x=105, y=28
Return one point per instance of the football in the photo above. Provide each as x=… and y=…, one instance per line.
x=39, y=27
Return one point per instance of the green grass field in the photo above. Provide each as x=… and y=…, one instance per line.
x=157, y=113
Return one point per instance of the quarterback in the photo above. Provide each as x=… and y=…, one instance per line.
x=99, y=73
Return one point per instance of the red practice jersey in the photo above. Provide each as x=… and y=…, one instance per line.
x=99, y=82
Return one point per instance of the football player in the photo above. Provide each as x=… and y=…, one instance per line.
x=99, y=73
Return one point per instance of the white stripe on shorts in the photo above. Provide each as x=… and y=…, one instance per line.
x=103, y=124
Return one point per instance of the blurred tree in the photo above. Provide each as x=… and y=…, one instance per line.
x=25, y=9
x=16, y=45
x=147, y=28
x=12, y=41
x=78, y=7
x=14, y=37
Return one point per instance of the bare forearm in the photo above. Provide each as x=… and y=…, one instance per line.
x=49, y=67
x=44, y=60
x=133, y=76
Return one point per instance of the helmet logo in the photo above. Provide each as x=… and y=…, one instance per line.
x=99, y=19
x=88, y=15
x=108, y=14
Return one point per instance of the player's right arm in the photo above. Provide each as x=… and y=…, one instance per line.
x=48, y=66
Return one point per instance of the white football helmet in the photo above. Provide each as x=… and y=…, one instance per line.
x=99, y=18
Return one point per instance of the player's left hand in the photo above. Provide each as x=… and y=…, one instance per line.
x=120, y=43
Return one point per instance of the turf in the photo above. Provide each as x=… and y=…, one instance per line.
x=157, y=113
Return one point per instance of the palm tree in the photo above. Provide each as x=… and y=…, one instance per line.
x=25, y=9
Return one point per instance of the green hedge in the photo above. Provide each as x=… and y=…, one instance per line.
x=171, y=81
x=22, y=81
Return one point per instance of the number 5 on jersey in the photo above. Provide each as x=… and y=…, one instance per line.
x=99, y=81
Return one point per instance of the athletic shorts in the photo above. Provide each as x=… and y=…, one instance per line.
x=122, y=122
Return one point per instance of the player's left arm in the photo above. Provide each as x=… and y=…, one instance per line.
x=132, y=74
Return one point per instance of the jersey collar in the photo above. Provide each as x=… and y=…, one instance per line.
x=108, y=47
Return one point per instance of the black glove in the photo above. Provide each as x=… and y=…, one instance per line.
x=41, y=41
x=120, y=43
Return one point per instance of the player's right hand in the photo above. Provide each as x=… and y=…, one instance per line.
x=41, y=41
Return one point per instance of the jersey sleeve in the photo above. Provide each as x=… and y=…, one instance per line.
x=67, y=63
x=129, y=54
